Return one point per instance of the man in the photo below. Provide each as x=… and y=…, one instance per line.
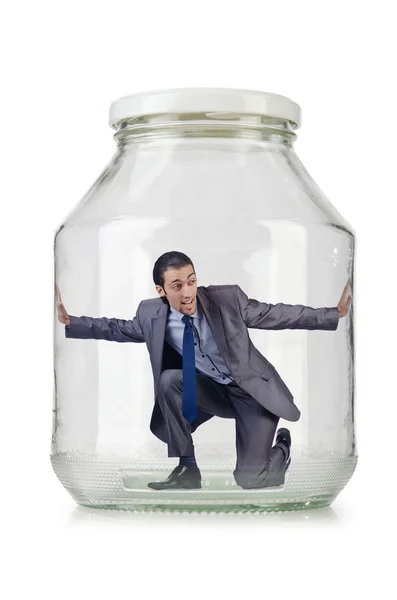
x=205, y=364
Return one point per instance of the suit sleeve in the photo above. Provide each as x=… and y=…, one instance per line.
x=102, y=328
x=260, y=315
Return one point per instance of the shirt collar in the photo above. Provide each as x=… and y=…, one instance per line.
x=177, y=315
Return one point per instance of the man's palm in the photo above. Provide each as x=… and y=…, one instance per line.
x=345, y=301
x=63, y=316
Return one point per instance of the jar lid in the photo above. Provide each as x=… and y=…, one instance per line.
x=210, y=100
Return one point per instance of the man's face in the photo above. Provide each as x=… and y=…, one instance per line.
x=180, y=286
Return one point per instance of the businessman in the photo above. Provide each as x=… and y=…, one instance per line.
x=204, y=364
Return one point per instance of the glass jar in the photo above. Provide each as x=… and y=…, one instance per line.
x=243, y=401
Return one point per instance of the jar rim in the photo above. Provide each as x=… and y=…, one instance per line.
x=226, y=101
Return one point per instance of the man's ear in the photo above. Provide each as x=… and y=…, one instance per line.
x=160, y=290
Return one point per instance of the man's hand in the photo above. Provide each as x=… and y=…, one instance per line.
x=63, y=316
x=344, y=302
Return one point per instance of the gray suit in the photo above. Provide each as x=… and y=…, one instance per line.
x=229, y=312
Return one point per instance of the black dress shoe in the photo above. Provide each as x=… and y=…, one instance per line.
x=181, y=478
x=284, y=437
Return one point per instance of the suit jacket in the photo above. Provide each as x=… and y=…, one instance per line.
x=229, y=312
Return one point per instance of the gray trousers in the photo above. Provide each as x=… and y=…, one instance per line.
x=258, y=463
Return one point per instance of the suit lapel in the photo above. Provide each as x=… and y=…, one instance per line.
x=158, y=334
x=214, y=319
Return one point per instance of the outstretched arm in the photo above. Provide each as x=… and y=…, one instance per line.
x=102, y=328
x=260, y=315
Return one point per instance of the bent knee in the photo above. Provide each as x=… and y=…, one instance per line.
x=170, y=377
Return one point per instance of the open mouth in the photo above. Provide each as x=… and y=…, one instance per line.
x=188, y=303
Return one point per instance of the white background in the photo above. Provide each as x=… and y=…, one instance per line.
x=62, y=63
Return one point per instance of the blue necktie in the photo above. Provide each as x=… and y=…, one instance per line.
x=189, y=406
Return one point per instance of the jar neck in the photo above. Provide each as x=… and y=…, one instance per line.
x=202, y=125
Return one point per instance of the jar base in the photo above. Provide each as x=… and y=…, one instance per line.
x=121, y=484
x=311, y=503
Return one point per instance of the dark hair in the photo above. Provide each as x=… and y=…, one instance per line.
x=169, y=260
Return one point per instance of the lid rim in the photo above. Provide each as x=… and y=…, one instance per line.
x=205, y=99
